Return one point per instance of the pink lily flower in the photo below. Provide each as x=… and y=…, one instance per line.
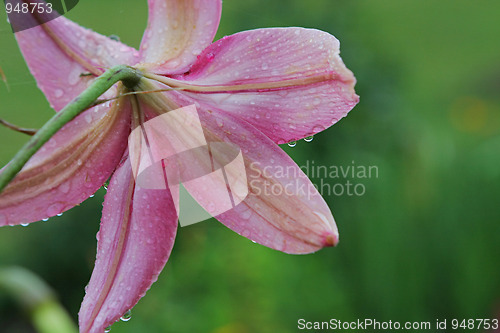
x=254, y=89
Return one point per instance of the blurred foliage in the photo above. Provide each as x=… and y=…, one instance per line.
x=421, y=244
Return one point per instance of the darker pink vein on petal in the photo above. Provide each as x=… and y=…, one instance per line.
x=287, y=82
x=137, y=234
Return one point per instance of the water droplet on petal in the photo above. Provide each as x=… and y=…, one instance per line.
x=64, y=187
x=318, y=128
x=45, y=220
x=24, y=224
x=246, y=215
x=292, y=144
x=309, y=138
x=126, y=316
x=55, y=209
x=88, y=118
x=74, y=75
x=114, y=37
x=210, y=56
x=91, y=196
x=58, y=93
x=107, y=329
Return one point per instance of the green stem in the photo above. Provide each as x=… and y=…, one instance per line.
x=128, y=75
x=37, y=299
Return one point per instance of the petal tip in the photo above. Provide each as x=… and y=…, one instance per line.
x=331, y=240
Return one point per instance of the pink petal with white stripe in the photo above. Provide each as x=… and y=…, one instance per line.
x=69, y=167
x=135, y=240
x=283, y=209
x=65, y=58
x=178, y=31
x=288, y=82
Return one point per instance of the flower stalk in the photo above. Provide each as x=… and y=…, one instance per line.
x=37, y=299
x=129, y=77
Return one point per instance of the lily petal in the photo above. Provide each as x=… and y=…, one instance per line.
x=283, y=209
x=135, y=240
x=65, y=58
x=69, y=167
x=288, y=82
x=177, y=32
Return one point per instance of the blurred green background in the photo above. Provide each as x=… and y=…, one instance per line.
x=423, y=242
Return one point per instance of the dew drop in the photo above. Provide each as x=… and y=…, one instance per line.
x=292, y=144
x=54, y=209
x=246, y=215
x=107, y=329
x=58, y=93
x=24, y=224
x=60, y=214
x=74, y=76
x=64, y=187
x=126, y=316
x=114, y=37
x=318, y=128
x=210, y=56
x=309, y=138
x=45, y=220
x=88, y=118
x=91, y=196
